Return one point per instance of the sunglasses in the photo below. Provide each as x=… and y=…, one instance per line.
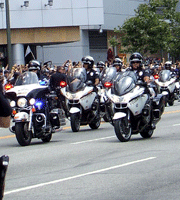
x=135, y=62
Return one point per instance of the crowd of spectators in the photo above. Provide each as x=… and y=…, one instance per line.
x=48, y=69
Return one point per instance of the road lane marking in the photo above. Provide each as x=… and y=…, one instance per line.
x=77, y=176
x=104, y=138
x=8, y=136
x=171, y=112
x=176, y=124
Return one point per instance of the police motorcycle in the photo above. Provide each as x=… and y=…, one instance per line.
x=81, y=99
x=35, y=114
x=106, y=79
x=133, y=110
x=166, y=85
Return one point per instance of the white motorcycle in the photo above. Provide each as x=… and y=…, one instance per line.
x=166, y=84
x=106, y=80
x=35, y=114
x=81, y=99
x=132, y=108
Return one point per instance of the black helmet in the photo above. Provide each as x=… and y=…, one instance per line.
x=34, y=65
x=136, y=57
x=117, y=61
x=88, y=60
x=100, y=64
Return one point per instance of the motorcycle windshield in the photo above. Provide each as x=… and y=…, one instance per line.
x=124, y=83
x=27, y=78
x=108, y=74
x=76, y=78
x=164, y=75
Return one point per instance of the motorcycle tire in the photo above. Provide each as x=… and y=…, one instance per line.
x=171, y=103
x=122, y=132
x=23, y=136
x=75, y=122
x=147, y=133
x=47, y=138
x=106, y=118
x=95, y=123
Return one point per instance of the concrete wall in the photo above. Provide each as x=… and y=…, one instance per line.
x=62, y=13
x=69, y=51
x=115, y=12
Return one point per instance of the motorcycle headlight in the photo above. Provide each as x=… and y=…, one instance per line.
x=32, y=101
x=22, y=102
x=12, y=104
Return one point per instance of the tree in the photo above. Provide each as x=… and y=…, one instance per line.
x=155, y=27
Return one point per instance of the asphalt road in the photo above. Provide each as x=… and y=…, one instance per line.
x=93, y=164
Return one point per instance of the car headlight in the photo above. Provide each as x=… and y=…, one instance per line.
x=22, y=102
x=12, y=104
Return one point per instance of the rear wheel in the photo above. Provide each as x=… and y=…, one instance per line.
x=95, y=123
x=23, y=136
x=147, y=133
x=122, y=130
x=75, y=122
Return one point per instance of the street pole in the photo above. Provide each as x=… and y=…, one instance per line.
x=8, y=30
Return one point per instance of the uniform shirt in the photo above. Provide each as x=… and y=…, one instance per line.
x=140, y=74
x=92, y=75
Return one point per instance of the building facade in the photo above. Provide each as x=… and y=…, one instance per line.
x=92, y=41
x=59, y=30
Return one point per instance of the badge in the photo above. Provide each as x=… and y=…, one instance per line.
x=91, y=74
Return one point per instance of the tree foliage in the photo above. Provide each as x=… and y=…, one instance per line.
x=155, y=26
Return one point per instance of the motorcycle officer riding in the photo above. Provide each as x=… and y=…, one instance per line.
x=118, y=64
x=136, y=66
x=143, y=75
x=92, y=75
x=35, y=66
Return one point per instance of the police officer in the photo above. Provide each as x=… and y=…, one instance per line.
x=92, y=75
x=136, y=66
x=100, y=65
x=35, y=66
x=57, y=77
x=117, y=62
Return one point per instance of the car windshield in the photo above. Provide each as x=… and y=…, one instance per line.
x=27, y=78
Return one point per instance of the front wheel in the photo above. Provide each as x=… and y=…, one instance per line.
x=47, y=138
x=75, y=122
x=122, y=130
x=23, y=136
x=171, y=102
x=147, y=133
x=106, y=118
